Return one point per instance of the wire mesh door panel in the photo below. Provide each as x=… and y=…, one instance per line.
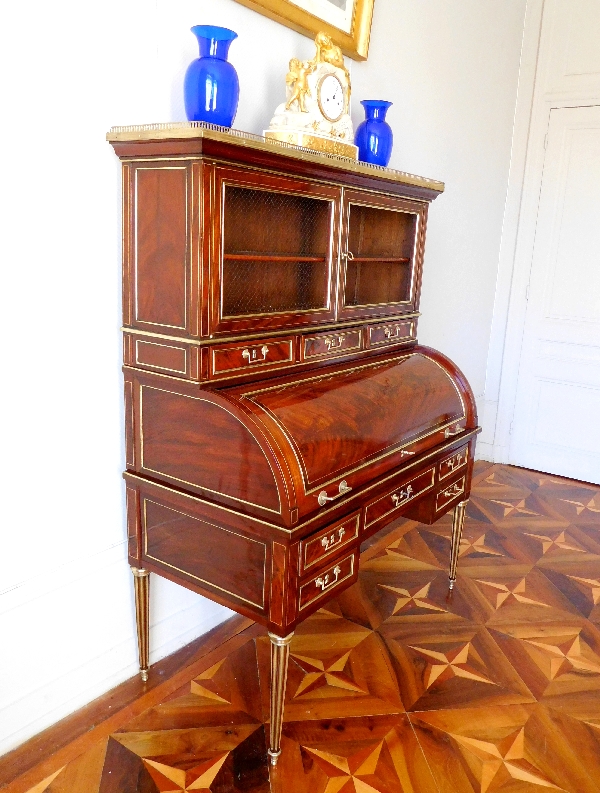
x=274, y=252
x=383, y=256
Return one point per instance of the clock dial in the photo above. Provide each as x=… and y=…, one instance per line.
x=330, y=95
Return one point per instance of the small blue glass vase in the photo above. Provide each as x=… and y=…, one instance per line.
x=374, y=137
x=211, y=86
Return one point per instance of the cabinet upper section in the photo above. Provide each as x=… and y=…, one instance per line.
x=223, y=236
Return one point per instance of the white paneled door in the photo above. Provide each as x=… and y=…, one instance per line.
x=556, y=424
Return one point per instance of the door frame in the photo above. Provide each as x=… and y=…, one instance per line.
x=535, y=101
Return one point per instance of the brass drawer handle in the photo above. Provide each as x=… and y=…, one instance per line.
x=252, y=357
x=334, y=343
x=450, y=431
x=324, y=498
x=454, y=490
x=390, y=334
x=404, y=495
x=325, y=583
x=329, y=542
x=456, y=462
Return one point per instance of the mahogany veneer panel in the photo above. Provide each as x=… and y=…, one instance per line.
x=161, y=195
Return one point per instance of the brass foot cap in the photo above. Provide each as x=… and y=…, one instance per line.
x=273, y=756
x=451, y=584
x=144, y=675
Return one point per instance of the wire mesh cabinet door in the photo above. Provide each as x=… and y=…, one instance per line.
x=274, y=251
x=381, y=255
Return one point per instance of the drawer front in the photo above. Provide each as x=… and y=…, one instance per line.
x=330, y=345
x=327, y=542
x=233, y=360
x=390, y=333
x=449, y=493
x=453, y=463
x=397, y=498
x=328, y=580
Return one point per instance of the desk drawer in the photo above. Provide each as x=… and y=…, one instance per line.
x=391, y=333
x=397, y=498
x=330, y=345
x=454, y=462
x=328, y=580
x=327, y=542
x=233, y=360
x=449, y=493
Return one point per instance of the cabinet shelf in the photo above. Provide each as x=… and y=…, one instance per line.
x=260, y=257
x=392, y=259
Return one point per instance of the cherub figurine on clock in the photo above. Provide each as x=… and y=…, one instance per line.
x=316, y=112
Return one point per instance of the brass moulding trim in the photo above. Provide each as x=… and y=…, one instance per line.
x=469, y=434
x=200, y=129
x=221, y=338
x=315, y=143
x=198, y=578
x=280, y=641
x=211, y=504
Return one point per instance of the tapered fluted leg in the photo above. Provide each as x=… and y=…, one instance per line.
x=280, y=654
x=141, y=581
x=458, y=519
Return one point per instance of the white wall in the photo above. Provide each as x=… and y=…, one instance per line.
x=451, y=69
x=72, y=70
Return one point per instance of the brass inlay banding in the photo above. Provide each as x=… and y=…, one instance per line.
x=225, y=337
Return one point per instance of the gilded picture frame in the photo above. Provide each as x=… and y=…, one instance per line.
x=348, y=22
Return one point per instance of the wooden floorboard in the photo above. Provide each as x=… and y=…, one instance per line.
x=114, y=704
x=397, y=686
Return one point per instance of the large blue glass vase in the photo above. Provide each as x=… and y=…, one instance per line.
x=374, y=137
x=211, y=85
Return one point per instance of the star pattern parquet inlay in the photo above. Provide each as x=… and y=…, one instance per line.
x=399, y=686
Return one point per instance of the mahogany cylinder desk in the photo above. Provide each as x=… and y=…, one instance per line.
x=279, y=410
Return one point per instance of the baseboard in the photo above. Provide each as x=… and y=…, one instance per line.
x=81, y=724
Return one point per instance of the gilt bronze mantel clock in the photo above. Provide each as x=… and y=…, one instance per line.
x=316, y=114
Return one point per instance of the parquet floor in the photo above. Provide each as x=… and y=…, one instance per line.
x=397, y=687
